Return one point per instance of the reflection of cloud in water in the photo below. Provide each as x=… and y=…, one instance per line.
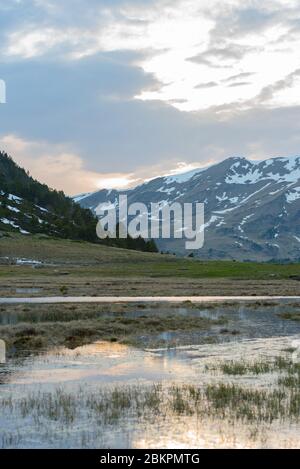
x=206, y=433
x=102, y=362
x=92, y=367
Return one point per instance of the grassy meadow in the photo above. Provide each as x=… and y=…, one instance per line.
x=82, y=268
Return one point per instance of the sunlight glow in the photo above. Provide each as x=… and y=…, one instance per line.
x=226, y=55
x=114, y=182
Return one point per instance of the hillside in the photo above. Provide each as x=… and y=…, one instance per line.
x=252, y=208
x=28, y=206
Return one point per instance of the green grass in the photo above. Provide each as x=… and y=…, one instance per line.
x=289, y=349
x=242, y=368
x=91, y=259
x=85, y=269
x=288, y=370
x=289, y=381
x=250, y=405
x=280, y=364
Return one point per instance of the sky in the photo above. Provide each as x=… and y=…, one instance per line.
x=108, y=93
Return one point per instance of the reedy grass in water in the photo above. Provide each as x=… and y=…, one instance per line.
x=279, y=364
x=108, y=406
x=46, y=330
x=243, y=368
x=292, y=316
x=105, y=408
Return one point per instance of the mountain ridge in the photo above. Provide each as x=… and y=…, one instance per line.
x=252, y=208
x=183, y=176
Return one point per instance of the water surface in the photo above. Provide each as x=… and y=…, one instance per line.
x=252, y=333
x=144, y=299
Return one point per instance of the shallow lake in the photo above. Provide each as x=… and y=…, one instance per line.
x=51, y=399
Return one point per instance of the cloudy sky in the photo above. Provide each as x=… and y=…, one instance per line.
x=104, y=93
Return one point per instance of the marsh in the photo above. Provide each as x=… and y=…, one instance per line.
x=133, y=376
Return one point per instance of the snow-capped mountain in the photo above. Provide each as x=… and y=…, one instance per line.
x=252, y=208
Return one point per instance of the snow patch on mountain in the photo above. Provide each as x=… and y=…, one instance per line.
x=238, y=176
x=167, y=190
x=13, y=209
x=5, y=221
x=293, y=195
x=251, y=172
x=14, y=198
x=80, y=197
x=211, y=221
x=222, y=197
x=183, y=177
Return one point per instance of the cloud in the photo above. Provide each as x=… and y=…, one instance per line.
x=210, y=84
x=229, y=52
x=60, y=169
x=239, y=83
x=106, y=91
x=238, y=76
x=202, y=45
x=271, y=93
x=158, y=139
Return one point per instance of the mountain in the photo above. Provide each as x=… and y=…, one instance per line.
x=29, y=207
x=252, y=208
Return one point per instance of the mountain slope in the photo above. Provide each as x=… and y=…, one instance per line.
x=252, y=208
x=26, y=206
x=29, y=207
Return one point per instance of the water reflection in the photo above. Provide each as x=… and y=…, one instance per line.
x=104, y=365
x=90, y=369
x=102, y=362
x=28, y=290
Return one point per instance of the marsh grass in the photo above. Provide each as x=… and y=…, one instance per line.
x=279, y=364
x=283, y=402
x=250, y=405
x=104, y=408
x=107, y=407
x=292, y=316
x=63, y=289
x=35, y=314
x=243, y=368
x=9, y=439
x=291, y=378
x=289, y=349
x=289, y=381
x=73, y=326
x=60, y=406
